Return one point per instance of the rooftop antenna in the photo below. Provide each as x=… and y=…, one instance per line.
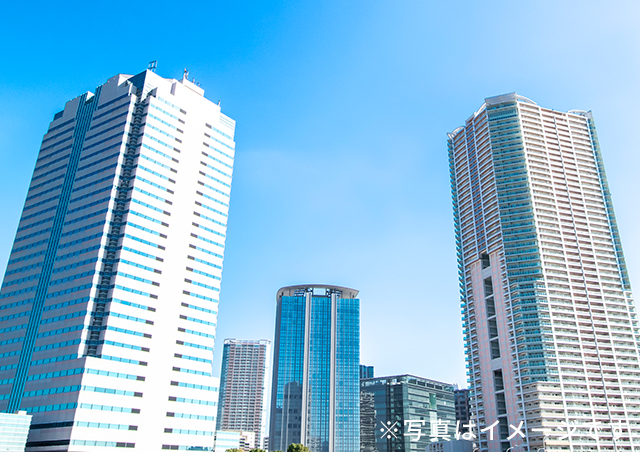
x=153, y=65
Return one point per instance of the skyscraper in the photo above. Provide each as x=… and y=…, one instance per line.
x=315, y=387
x=242, y=404
x=110, y=298
x=551, y=331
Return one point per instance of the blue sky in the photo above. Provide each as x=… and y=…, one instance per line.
x=341, y=174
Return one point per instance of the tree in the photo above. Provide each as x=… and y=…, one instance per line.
x=257, y=450
x=297, y=448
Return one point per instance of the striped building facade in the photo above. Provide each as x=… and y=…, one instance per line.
x=109, y=303
x=550, y=325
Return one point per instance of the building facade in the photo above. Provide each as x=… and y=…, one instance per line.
x=242, y=404
x=225, y=440
x=461, y=400
x=367, y=414
x=315, y=397
x=410, y=412
x=456, y=445
x=109, y=303
x=366, y=371
x=550, y=325
x=368, y=422
x=14, y=430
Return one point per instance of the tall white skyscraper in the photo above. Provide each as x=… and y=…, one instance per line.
x=551, y=330
x=109, y=303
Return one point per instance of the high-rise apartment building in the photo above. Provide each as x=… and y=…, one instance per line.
x=315, y=387
x=109, y=303
x=242, y=404
x=551, y=330
x=410, y=412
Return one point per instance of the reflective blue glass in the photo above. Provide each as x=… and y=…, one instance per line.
x=316, y=396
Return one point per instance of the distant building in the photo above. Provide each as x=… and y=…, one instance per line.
x=461, y=398
x=247, y=441
x=14, y=429
x=406, y=404
x=225, y=440
x=450, y=446
x=367, y=414
x=315, y=397
x=367, y=422
x=242, y=404
x=366, y=371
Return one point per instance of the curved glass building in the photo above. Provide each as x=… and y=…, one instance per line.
x=316, y=369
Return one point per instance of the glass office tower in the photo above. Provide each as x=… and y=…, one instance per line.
x=244, y=377
x=109, y=303
x=550, y=325
x=316, y=368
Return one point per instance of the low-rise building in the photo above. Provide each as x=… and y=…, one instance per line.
x=409, y=411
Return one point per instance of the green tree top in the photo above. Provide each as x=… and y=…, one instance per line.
x=297, y=448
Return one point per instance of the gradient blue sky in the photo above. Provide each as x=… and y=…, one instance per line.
x=341, y=173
